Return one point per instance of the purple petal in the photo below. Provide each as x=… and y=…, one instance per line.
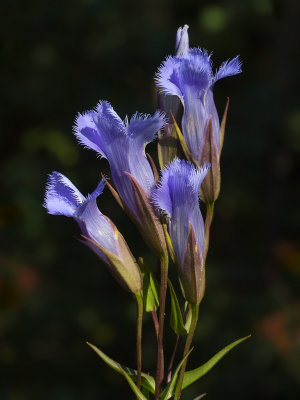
x=167, y=78
x=97, y=129
x=62, y=197
x=143, y=129
x=229, y=68
x=96, y=226
x=86, y=132
x=99, y=189
x=201, y=58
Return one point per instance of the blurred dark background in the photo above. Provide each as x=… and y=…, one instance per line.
x=61, y=57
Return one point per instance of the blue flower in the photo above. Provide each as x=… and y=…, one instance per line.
x=123, y=144
x=190, y=77
x=102, y=236
x=177, y=196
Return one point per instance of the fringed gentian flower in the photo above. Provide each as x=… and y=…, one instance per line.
x=190, y=77
x=102, y=236
x=177, y=195
x=123, y=143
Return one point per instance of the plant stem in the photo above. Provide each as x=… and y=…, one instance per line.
x=162, y=304
x=155, y=322
x=139, y=323
x=187, y=347
x=169, y=377
x=195, y=307
x=178, y=339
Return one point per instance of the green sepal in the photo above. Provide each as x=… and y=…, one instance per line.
x=195, y=374
x=147, y=221
x=188, y=314
x=210, y=187
x=114, y=193
x=168, y=391
x=176, y=320
x=125, y=269
x=147, y=381
x=185, y=149
x=169, y=244
x=150, y=287
x=153, y=167
x=223, y=125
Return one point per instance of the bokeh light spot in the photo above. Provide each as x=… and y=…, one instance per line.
x=213, y=19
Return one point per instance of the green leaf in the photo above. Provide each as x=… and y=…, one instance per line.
x=133, y=386
x=193, y=375
x=176, y=320
x=146, y=393
x=168, y=391
x=148, y=381
x=150, y=287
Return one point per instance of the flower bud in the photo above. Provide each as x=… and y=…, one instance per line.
x=210, y=187
x=182, y=41
x=177, y=195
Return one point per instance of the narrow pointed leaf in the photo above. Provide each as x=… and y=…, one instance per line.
x=193, y=375
x=168, y=391
x=176, y=320
x=148, y=381
x=133, y=386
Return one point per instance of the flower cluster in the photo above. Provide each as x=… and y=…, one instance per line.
x=189, y=77
x=165, y=207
